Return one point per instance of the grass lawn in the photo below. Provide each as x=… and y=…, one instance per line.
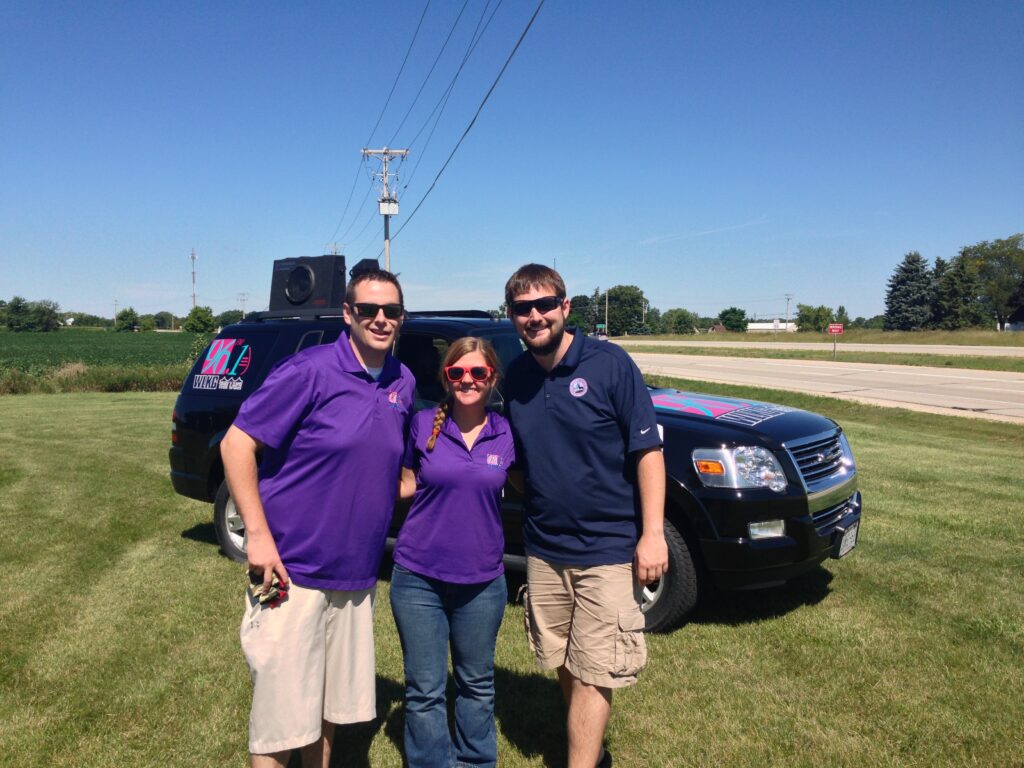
x=119, y=627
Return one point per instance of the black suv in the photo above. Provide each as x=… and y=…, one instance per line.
x=756, y=493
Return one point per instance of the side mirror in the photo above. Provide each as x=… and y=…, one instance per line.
x=496, y=402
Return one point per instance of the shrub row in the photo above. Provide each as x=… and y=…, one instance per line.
x=78, y=377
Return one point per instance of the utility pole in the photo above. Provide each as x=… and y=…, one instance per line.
x=242, y=297
x=387, y=200
x=193, y=257
x=606, y=329
x=115, y=314
x=788, y=297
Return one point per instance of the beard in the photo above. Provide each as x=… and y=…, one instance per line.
x=542, y=349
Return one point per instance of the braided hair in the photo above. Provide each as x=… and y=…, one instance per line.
x=439, y=418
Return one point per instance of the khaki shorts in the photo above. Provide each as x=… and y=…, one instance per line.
x=311, y=660
x=587, y=619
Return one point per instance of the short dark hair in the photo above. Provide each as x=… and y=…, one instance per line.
x=374, y=275
x=531, y=276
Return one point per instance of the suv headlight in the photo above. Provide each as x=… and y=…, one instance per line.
x=847, y=461
x=745, y=466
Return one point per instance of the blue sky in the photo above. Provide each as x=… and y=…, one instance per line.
x=713, y=154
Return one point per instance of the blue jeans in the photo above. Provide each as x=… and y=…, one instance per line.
x=430, y=614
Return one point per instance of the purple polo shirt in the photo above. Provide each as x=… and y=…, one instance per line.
x=334, y=439
x=453, y=532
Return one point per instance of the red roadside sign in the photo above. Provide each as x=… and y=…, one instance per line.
x=835, y=329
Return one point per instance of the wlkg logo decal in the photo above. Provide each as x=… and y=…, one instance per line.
x=225, y=363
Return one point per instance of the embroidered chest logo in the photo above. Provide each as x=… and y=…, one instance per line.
x=578, y=387
x=395, y=399
x=493, y=460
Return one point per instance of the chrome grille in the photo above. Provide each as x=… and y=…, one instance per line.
x=818, y=458
x=826, y=519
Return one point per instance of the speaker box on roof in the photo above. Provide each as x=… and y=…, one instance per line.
x=308, y=282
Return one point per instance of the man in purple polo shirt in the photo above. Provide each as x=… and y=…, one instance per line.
x=331, y=422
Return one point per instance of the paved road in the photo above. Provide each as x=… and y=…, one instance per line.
x=994, y=395
x=926, y=349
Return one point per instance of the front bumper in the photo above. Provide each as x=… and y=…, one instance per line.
x=743, y=563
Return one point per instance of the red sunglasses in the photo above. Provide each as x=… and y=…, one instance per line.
x=454, y=373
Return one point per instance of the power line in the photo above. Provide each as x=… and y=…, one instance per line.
x=442, y=102
x=387, y=101
x=344, y=211
x=429, y=73
x=475, y=116
x=400, y=69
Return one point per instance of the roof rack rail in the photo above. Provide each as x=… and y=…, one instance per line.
x=294, y=314
x=480, y=313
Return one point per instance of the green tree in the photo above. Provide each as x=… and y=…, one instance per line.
x=229, y=317
x=908, y=297
x=581, y=313
x=17, y=314
x=126, y=321
x=876, y=322
x=147, y=322
x=85, y=320
x=625, y=309
x=999, y=266
x=810, y=318
x=3, y=312
x=199, y=320
x=957, y=302
x=653, y=321
x=164, y=320
x=841, y=316
x=680, y=321
x=734, y=319
x=44, y=316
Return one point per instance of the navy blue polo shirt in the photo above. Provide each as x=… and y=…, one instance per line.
x=576, y=429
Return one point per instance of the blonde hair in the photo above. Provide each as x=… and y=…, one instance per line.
x=457, y=349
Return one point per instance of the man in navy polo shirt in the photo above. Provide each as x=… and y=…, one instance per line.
x=587, y=439
x=331, y=422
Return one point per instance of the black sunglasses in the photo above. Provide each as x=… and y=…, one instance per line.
x=366, y=309
x=543, y=305
x=478, y=372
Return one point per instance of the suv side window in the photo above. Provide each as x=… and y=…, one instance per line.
x=422, y=354
x=310, y=339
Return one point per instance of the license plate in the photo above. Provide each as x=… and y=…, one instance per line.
x=849, y=540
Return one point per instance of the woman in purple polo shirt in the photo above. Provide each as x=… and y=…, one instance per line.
x=448, y=585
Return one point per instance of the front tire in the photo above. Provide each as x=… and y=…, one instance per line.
x=666, y=603
x=228, y=525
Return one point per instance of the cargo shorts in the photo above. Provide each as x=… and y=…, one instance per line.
x=586, y=619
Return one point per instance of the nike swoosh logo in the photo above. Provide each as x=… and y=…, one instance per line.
x=645, y=431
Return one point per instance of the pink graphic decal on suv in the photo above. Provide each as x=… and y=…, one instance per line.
x=218, y=356
x=699, y=405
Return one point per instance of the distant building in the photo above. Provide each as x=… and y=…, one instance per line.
x=771, y=326
x=1015, y=322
